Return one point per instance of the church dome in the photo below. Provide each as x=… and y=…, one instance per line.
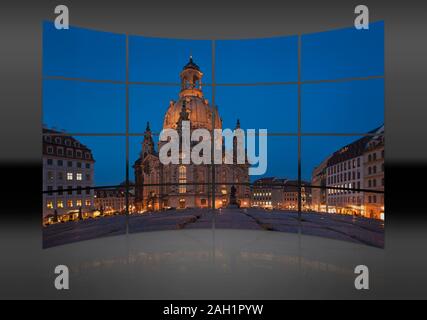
x=199, y=111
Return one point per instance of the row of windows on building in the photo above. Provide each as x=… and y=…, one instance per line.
x=262, y=194
x=70, y=203
x=262, y=203
x=345, y=186
x=60, y=190
x=113, y=202
x=60, y=163
x=351, y=175
x=70, y=176
x=372, y=199
x=373, y=169
x=373, y=156
x=343, y=166
x=353, y=200
x=60, y=151
x=372, y=183
x=62, y=140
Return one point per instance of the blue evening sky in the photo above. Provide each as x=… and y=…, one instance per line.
x=88, y=107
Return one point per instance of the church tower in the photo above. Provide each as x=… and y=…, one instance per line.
x=191, y=80
x=200, y=113
x=148, y=143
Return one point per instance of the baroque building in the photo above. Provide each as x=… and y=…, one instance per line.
x=68, y=178
x=159, y=186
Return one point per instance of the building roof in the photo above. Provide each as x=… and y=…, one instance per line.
x=352, y=150
x=292, y=186
x=57, y=139
x=287, y=185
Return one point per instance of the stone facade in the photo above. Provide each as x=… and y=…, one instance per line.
x=374, y=178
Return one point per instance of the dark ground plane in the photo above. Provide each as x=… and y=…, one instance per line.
x=341, y=227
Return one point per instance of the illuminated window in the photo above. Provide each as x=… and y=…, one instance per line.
x=78, y=203
x=60, y=204
x=79, y=176
x=87, y=203
x=49, y=205
x=69, y=176
x=182, y=179
x=70, y=203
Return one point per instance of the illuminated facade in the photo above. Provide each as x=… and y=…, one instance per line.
x=275, y=193
x=345, y=170
x=349, y=172
x=374, y=177
x=113, y=201
x=159, y=186
x=290, y=195
x=68, y=167
x=267, y=193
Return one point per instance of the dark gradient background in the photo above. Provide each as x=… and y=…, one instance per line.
x=210, y=264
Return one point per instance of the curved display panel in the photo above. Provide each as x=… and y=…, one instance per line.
x=281, y=134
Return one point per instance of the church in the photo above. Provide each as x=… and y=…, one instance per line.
x=160, y=187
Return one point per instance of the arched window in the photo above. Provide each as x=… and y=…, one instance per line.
x=182, y=179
